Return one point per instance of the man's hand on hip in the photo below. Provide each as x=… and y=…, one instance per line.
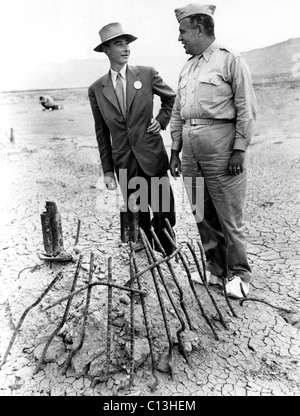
x=110, y=181
x=175, y=164
x=154, y=127
x=237, y=162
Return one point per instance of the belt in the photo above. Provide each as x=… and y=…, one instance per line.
x=199, y=121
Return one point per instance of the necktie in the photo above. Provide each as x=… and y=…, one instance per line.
x=120, y=95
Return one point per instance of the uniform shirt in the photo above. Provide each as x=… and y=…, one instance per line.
x=114, y=74
x=216, y=85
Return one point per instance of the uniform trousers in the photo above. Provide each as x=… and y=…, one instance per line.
x=206, y=152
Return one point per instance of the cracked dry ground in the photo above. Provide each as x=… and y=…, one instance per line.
x=259, y=355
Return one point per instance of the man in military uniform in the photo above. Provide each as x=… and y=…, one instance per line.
x=212, y=123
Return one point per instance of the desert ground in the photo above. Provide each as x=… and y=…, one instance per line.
x=53, y=156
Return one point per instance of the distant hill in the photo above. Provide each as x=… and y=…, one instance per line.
x=70, y=74
x=82, y=73
x=267, y=63
x=273, y=61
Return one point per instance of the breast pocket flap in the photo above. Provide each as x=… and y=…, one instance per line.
x=210, y=80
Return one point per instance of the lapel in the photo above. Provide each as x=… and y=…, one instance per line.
x=132, y=76
x=109, y=91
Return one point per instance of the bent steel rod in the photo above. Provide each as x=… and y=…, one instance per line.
x=130, y=383
x=25, y=313
x=147, y=324
x=109, y=316
x=227, y=299
x=180, y=330
x=160, y=299
x=279, y=308
x=208, y=321
x=139, y=292
x=66, y=313
x=182, y=303
x=85, y=315
x=131, y=380
x=153, y=265
x=77, y=233
x=204, y=281
x=223, y=279
x=109, y=325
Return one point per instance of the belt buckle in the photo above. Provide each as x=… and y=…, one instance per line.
x=193, y=122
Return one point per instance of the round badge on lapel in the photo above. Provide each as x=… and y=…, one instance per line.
x=137, y=85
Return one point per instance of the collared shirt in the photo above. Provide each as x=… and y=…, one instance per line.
x=114, y=74
x=216, y=85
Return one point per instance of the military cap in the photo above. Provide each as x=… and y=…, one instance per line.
x=194, y=8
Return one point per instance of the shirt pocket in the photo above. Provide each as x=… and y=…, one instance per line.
x=210, y=87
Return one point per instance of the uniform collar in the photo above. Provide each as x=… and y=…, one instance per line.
x=209, y=51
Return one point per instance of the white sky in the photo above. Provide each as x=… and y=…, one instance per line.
x=33, y=32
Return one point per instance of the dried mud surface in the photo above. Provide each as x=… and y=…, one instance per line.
x=55, y=158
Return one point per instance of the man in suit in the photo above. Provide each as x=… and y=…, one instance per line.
x=128, y=136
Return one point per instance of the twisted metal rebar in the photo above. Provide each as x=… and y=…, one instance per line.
x=227, y=299
x=173, y=274
x=182, y=259
x=129, y=384
x=147, y=324
x=131, y=379
x=204, y=281
x=223, y=279
x=182, y=323
x=85, y=316
x=152, y=266
x=77, y=233
x=25, y=313
x=161, y=302
x=279, y=308
x=66, y=313
x=109, y=325
x=72, y=294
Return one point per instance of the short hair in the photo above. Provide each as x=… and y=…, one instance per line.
x=206, y=21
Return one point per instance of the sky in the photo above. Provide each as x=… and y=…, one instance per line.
x=35, y=32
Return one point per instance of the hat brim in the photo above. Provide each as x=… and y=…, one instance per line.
x=130, y=38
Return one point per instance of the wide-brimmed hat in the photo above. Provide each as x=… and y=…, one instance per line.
x=112, y=31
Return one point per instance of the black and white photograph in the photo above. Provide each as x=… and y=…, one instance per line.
x=149, y=176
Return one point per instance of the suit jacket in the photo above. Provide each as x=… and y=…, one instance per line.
x=122, y=143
